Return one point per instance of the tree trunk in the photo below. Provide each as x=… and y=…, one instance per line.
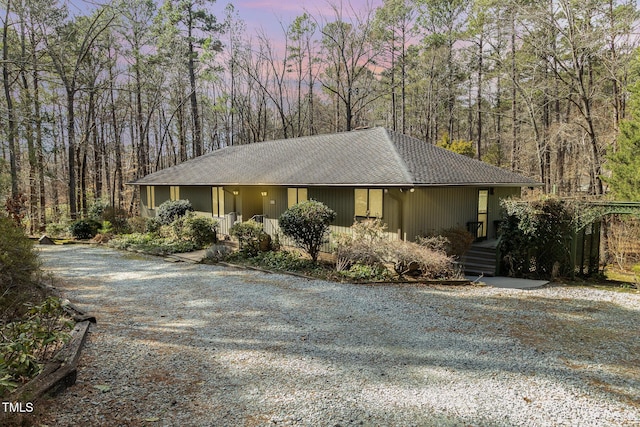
x=197, y=131
x=71, y=151
x=11, y=124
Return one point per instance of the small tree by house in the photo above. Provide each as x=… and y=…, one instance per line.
x=307, y=223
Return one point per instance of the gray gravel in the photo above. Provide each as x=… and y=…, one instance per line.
x=196, y=345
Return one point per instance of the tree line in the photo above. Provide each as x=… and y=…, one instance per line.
x=100, y=97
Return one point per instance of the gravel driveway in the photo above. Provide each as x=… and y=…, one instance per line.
x=196, y=345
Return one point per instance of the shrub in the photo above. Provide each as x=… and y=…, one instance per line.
x=534, y=237
x=199, y=230
x=410, y=258
x=151, y=244
x=153, y=225
x=364, y=246
x=18, y=267
x=453, y=241
x=138, y=224
x=58, y=229
x=460, y=240
x=366, y=253
x=26, y=344
x=307, y=223
x=282, y=260
x=359, y=271
x=249, y=235
x=170, y=210
x=97, y=209
x=84, y=228
x=117, y=218
x=218, y=252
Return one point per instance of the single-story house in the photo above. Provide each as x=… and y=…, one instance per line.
x=414, y=187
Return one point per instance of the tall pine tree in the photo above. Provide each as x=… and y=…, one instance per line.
x=624, y=163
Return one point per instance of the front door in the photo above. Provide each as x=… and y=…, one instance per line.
x=483, y=205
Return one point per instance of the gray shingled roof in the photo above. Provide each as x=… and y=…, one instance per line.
x=369, y=157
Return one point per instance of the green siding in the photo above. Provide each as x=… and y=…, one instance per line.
x=429, y=210
x=200, y=198
x=340, y=200
x=163, y=193
x=425, y=210
x=275, y=203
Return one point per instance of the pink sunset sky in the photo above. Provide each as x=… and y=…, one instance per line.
x=270, y=15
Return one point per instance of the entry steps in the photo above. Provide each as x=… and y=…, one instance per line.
x=479, y=260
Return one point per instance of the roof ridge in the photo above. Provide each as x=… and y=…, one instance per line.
x=391, y=138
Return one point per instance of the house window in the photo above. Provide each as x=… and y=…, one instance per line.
x=368, y=202
x=151, y=197
x=217, y=197
x=174, y=192
x=296, y=195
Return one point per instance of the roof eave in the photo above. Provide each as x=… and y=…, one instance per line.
x=346, y=184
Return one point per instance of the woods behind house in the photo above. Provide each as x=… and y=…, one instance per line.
x=99, y=96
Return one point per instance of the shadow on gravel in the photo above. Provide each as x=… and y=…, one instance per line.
x=246, y=347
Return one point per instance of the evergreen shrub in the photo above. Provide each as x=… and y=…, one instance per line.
x=170, y=210
x=85, y=228
x=249, y=235
x=202, y=231
x=307, y=223
x=18, y=268
x=535, y=237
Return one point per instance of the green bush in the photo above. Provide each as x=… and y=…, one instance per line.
x=307, y=223
x=535, y=237
x=18, y=267
x=27, y=343
x=249, y=235
x=359, y=272
x=138, y=224
x=202, y=231
x=282, y=260
x=58, y=229
x=153, y=225
x=84, y=228
x=96, y=210
x=118, y=219
x=170, y=210
x=151, y=243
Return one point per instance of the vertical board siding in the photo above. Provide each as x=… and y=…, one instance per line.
x=200, y=198
x=340, y=200
x=392, y=210
x=163, y=194
x=275, y=203
x=423, y=211
x=430, y=210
